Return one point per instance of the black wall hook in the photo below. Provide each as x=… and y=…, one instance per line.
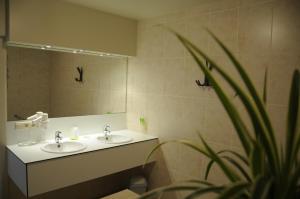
x=80, y=71
x=206, y=80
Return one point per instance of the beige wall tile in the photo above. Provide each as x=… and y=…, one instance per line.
x=173, y=48
x=28, y=82
x=151, y=41
x=224, y=25
x=175, y=75
x=286, y=27
x=255, y=30
x=162, y=89
x=224, y=5
x=195, y=29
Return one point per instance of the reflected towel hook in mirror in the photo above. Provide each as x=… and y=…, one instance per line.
x=80, y=71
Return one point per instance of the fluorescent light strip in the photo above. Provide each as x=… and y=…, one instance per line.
x=62, y=49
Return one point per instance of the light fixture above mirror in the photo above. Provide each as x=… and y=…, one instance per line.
x=61, y=49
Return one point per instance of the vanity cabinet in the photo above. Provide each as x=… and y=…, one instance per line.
x=34, y=178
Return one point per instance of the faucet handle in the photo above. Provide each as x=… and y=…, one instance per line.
x=107, y=127
x=58, y=134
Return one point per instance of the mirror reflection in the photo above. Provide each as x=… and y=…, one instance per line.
x=64, y=84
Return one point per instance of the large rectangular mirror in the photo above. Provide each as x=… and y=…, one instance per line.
x=48, y=81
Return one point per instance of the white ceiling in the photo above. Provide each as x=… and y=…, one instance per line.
x=139, y=9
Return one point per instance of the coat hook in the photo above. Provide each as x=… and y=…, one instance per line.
x=80, y=71
x=206, y=80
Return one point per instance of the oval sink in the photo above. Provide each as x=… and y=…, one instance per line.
x=115, y=139
x=65, y=147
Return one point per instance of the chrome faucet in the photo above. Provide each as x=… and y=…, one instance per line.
x=106, y=131
x=58, y=138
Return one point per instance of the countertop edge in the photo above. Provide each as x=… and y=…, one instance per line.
x=9, y=148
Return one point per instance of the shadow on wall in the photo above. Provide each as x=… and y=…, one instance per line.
x=158, y=175
x=2, y=118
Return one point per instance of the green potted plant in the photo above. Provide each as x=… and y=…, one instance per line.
x=265, y=169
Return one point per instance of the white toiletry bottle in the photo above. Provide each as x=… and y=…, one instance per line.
x=44, y=126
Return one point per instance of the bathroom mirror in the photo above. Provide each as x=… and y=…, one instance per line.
x=64, y=84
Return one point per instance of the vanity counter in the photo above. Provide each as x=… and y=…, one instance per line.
x=31, y=154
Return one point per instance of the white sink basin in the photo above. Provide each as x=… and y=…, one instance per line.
x=65, y=147
x=115, y=139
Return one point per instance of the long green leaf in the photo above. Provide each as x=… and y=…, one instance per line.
x=184, y=142
x=236, y=154
x=257, y=160
x=231, y=174
x=259, y=127
x=254, y=95
x=202, y=182
x=202, y=191
x=240, y=127
x=297, y=150
x=171, y=188
x=208, y=168
x=238, y=166
x=261, y=187
x=234, y=190
x=211, y=162
x=292, y=184
x=210, y=154
x=292, y=121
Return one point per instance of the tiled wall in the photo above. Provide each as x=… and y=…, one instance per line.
x=28, y=82
x=45, y=81
x=161, y=80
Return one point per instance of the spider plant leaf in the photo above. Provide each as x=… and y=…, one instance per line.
x=297, y=151
x=199, y=182
x=236, y=154
x=240, y=127
x=240, y=157
x=292, y=184
x=231, y=174
x=184, y=142
x=292, y=121
x=238, y=166
x=171, y=188
x=265, y=86
x=202, y=191
x=253, y=93
x=260, y=129
x=257, y=160
x=234, y=190
x=261, y=187
x=208, y=167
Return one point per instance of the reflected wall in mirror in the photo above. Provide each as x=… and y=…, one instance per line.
x=40, y=80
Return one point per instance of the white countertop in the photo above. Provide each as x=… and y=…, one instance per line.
x=31, y=154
